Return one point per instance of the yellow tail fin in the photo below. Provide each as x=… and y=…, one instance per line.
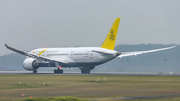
x=110, y=40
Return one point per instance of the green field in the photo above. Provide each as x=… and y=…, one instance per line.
x=87, y=87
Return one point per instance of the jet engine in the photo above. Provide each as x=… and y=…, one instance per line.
x=30, y=64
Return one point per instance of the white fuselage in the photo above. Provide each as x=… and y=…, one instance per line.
x=78, y=56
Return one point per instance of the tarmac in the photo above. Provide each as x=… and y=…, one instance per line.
x=92, y=73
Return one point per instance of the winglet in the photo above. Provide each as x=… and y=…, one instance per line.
x=6, y=45
x=110, y=40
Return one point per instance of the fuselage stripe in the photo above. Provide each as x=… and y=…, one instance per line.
x=42, y=51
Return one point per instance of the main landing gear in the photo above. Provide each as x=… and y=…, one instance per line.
x=58, y=71
x=86, y=71
x=35, y=71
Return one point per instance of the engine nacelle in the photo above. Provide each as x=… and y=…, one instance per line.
x=30, y=64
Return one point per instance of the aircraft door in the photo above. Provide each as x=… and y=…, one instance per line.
x=91, y=55
x=71, y=55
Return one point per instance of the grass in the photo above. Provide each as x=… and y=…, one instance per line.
x=54, y=99
x=87, y=87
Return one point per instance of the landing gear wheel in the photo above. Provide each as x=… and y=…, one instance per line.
x=85, y=71
x=35, y=71
x=58, y=71
x=55, y=71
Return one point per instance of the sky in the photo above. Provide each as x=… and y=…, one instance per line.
x=31, y=24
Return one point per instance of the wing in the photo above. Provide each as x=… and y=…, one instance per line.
x=36, y=56
x=124, y=54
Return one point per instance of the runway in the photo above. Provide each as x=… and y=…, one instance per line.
x=92, y=73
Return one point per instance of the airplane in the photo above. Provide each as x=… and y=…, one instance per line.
x=86, y=58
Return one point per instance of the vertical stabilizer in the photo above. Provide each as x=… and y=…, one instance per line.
x=110, y=40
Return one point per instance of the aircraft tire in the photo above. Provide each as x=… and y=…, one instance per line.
x=55, y=71
x=35, y=71
x=85, y=71
x=58, y=71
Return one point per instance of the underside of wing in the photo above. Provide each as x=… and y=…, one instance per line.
x=36, y=56
x=124, y=54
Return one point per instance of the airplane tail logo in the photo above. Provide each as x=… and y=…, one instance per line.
x=112, y=36
x=110, y=40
